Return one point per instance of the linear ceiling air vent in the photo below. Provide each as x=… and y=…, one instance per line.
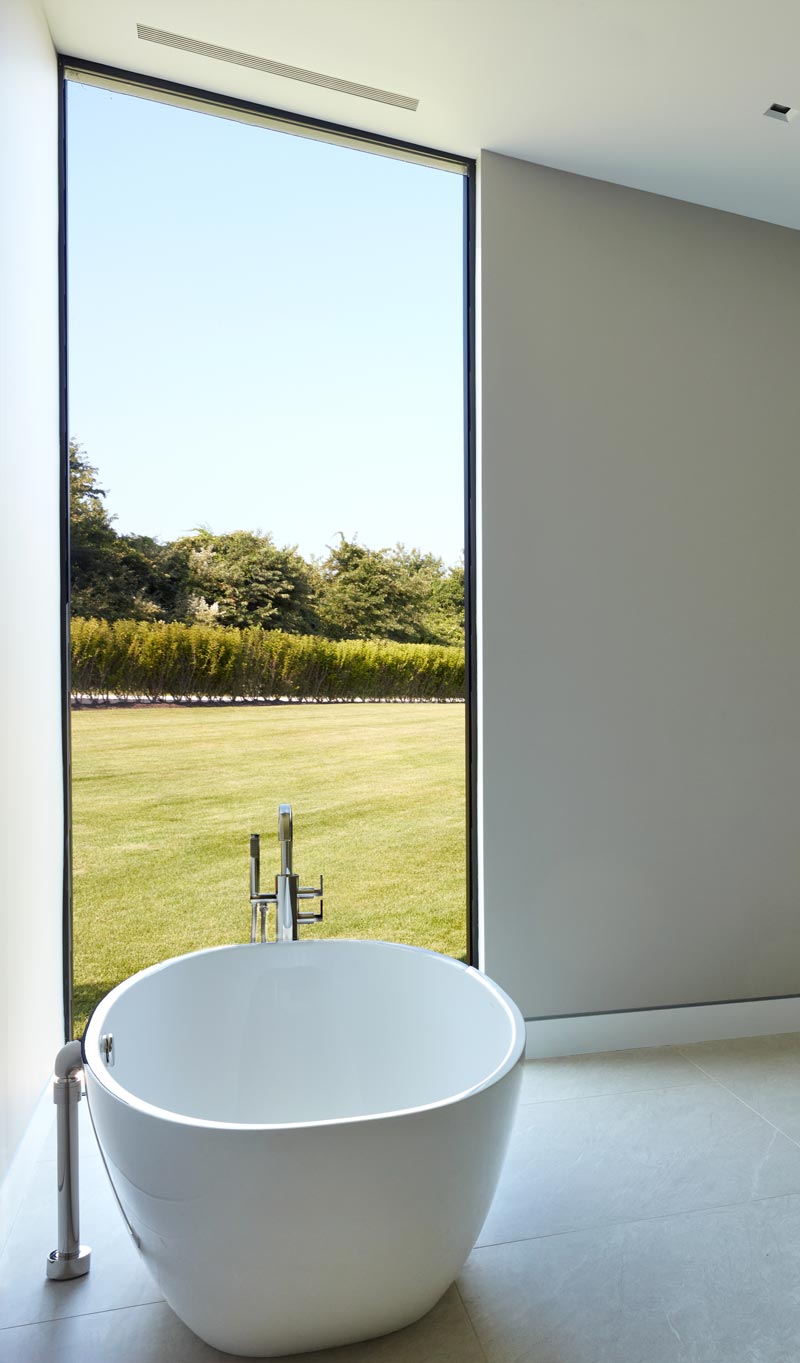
x=228, y=54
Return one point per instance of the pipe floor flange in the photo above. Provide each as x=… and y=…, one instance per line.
x=62, y=1267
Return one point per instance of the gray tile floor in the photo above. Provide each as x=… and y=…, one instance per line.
x=649, y=1212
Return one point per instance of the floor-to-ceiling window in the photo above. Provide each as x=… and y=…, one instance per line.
x=266, y=421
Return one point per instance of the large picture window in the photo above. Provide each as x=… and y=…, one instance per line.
x=270, y=522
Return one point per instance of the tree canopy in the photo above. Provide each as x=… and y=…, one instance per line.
x=244, y=578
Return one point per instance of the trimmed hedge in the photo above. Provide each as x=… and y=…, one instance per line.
x=146, y=660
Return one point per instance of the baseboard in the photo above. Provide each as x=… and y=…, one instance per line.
x=660, y=1027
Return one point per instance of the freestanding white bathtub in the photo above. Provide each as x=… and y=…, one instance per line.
x=304, y=1138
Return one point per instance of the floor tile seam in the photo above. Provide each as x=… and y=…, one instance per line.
x=6, y=1240
x=745, y=1103
x=15, y=1218
x=639, y=1220
x=617, y=1093
x=76, y=1315
x=471, y=1322
x=29, y=1182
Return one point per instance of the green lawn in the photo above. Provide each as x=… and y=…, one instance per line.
x=164, y=800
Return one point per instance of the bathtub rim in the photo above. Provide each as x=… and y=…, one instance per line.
x=90, y=1044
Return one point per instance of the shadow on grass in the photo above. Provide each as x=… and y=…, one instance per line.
x=85, y=998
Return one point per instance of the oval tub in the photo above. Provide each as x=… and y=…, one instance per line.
x=304, y=1138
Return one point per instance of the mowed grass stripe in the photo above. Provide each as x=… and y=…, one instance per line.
x=164, y=800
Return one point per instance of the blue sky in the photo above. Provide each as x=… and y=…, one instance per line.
x=265, y=331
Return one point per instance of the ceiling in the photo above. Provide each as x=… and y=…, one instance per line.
x=665, y=95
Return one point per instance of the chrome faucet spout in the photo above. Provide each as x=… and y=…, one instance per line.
x=287, y=892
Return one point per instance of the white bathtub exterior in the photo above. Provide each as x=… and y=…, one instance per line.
x=305, y=1138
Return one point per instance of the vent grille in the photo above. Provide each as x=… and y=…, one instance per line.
x=783, y=112
x=229, y=54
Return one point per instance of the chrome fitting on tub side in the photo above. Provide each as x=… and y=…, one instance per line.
x=288, y=891
x=71, y=1259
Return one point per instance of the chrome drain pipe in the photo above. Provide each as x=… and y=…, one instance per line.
x=71, y=1259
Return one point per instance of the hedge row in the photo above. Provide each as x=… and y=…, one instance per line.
x=147, y=660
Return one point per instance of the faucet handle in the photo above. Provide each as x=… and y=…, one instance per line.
x=312, y=892
x=284, y=823
x=255, y=862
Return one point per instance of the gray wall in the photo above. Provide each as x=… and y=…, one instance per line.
x=640, y=543
x=30, y=726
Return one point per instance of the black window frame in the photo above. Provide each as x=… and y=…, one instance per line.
x=329, y=132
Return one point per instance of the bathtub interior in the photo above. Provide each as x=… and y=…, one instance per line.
x=310, y=1031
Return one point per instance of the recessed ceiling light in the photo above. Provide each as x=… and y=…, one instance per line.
x=783, y=112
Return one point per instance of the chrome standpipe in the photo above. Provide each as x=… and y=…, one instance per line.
x=287, y=893
x=71, y=1259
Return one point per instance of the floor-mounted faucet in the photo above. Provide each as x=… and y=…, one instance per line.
x=287, y=893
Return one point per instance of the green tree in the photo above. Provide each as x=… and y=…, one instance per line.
x=160, y=574
x=118, y=577
x=243, y=578
x=94, y=562
x=438, y=593
x=368, y=594
x=444, y=614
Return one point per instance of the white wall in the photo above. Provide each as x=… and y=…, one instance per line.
x=30, y=769
x=640, y=541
